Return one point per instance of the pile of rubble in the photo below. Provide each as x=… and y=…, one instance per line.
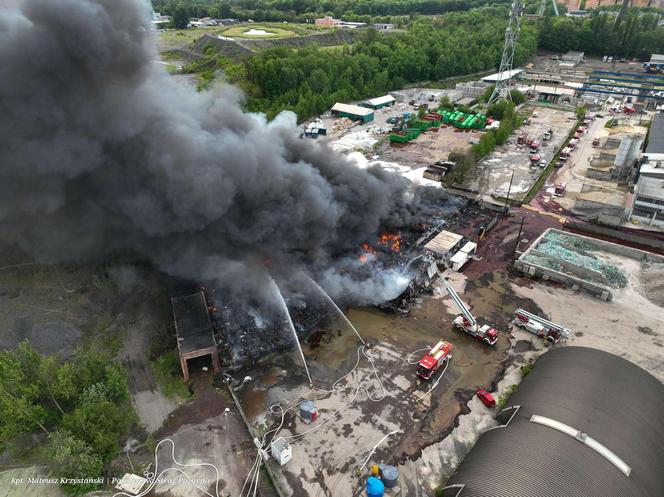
x=571, y=255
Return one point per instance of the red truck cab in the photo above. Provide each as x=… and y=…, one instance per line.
x=433, y=359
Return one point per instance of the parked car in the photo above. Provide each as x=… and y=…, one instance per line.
x=486, y=398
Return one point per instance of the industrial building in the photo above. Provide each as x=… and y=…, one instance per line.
x=582, y=423
x=380, y=102
x=655, y=64
x=648, y=201
x=327, y=22
x=654, y=150
x=354, y=112
x=494, y=78
x=444, y=245
x=617, y=158
x=554, y=94
x=571, y=59
x=194, y=331
x=648, y=204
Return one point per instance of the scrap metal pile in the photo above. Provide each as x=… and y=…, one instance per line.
x=575, y=257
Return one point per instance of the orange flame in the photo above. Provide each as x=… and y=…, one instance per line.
x=392, y=240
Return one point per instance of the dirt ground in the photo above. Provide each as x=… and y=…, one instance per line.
x=429, y=147
x=325, y=459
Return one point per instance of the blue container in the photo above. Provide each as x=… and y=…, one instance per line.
x=375, y=487
x=390, y=475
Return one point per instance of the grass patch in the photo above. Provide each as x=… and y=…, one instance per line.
x=166, y=369
x=183, y=37
x=502, y=400
x=240, y=31
x=526, y=368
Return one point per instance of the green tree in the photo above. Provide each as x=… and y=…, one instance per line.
x=99, y=422
x=517, y=97
x=180, y=18
x=23, y=397
x=581, y=111
x=69, y=457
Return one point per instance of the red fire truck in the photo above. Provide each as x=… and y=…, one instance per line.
x=434, y=359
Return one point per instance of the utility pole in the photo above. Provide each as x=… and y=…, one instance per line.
x=509, y=189
x=518, y=240
x=503, y=85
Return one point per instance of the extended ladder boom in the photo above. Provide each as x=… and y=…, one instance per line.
x=543, y=322
x=460, y=304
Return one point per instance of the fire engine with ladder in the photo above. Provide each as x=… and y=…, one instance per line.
x=539, y=326
x=466, y=321
x=434, y=359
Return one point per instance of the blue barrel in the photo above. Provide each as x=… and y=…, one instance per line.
x=375, y=487
x=390, y=475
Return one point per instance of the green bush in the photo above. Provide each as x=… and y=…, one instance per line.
x=167, y=371
x=504, y=397
x=70, y=458
x=526, y=368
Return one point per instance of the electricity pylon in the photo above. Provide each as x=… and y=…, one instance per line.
x=502, y=89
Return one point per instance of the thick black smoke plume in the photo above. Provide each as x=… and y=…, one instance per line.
x=101, y=151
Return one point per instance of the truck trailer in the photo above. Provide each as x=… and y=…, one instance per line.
x=539, y=326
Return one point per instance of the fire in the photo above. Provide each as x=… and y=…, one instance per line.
x=368, y=250
x=392, y=240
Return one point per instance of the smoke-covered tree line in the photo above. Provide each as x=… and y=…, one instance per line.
x=637, y=35
x=308, y=81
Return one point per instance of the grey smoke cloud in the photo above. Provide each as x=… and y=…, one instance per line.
x=100, y=150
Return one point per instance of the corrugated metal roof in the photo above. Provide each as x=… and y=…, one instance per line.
x=443, y=242
x=352, y=109
x=651, y=187
x=385, y=99
x=656, y=135
x=554, y=90
x=493, y=78
x=612, y=400
x=192, y=323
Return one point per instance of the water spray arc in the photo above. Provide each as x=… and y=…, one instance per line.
x=282, y=302
x=337, y=308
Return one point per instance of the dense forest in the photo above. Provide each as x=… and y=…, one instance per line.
x=309, y=80
x=306, y=10
x=637, y=35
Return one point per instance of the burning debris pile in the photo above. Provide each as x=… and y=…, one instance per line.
x=249, y=329
x=395, y=267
